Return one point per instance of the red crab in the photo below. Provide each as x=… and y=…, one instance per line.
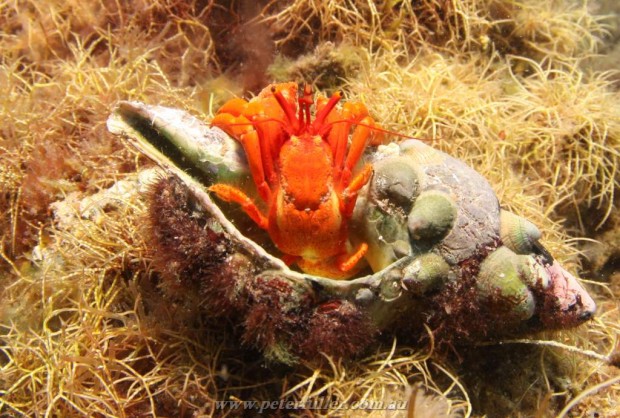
x=303, y=172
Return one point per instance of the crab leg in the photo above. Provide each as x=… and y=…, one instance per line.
x=242, y=128
x=346, y=262
x=338, y=140
x=351, y=113
x=269, y=140
x=232, y=194
x=349, y=194
x=338, y=267
x=234, y=107
x=359, y=141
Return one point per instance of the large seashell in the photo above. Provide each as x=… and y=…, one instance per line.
x=441, y=253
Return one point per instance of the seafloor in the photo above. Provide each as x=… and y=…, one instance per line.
x=524, y=91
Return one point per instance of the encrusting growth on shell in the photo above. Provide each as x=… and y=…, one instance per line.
x=431, y=217
x=517, y=233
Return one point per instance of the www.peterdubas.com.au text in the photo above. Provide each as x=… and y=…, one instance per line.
x=318, y=403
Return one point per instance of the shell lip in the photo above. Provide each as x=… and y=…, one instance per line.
x=158, y=146
x=347, y=286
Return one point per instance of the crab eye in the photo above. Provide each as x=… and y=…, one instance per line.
x=539, y=249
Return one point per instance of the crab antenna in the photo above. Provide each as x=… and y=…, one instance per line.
x=320, y=117
x=287, y=108
x=305, y=101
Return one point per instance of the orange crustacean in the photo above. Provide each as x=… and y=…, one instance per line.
x=303, y=171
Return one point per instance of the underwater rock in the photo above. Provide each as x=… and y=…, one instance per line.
x=441, y=252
